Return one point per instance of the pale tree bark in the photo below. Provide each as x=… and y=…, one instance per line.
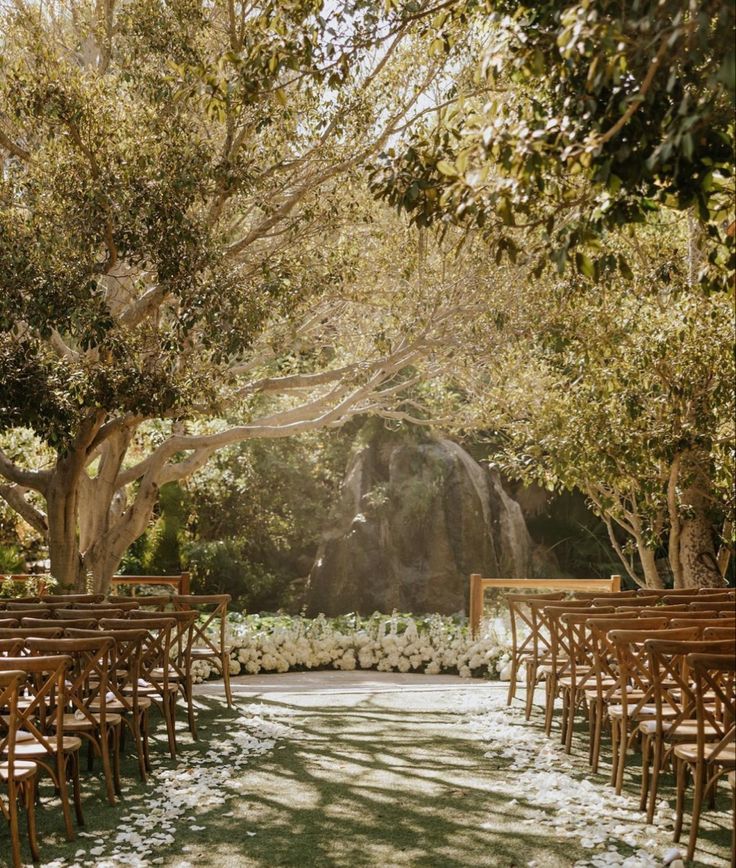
x=697, y=544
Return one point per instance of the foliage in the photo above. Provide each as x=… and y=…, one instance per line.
x=170, y=173
x=582, y=117
x=612, y=394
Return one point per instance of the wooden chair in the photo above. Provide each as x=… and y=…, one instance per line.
x=635, y=690
x=718, y=632
x=212, y=609
x=674, y=699
x=523, y=635
x=154, y=678
x=125, y=671
x=606, y=684
x=86, y=714
x=47, y=746
x=18, y=777
x=709, y=758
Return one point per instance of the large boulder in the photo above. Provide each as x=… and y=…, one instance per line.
x=413, y=521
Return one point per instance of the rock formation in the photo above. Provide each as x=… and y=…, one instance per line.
x=413, y=521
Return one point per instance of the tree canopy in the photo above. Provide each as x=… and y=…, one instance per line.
x=577, y=118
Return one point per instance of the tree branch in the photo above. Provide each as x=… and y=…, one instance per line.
x=14, y=495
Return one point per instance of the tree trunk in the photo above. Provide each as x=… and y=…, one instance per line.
x=61, y=502
x=698, y=556
x=649, y=565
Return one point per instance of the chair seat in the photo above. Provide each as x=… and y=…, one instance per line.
x=689, y=752
x=644, y=711
x=72, y=723
x=686, y=729
x=27, y=748
x=115, y=705
x=173, y=675
x=208, y=652
x=22, y=769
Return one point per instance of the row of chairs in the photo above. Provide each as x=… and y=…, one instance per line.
x=652, y=669
x=87, y=671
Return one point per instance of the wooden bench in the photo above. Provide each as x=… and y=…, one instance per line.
x=478, y=586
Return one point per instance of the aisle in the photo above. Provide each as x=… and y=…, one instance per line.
x=378, y=769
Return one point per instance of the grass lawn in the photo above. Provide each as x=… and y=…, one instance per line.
x=325, y=769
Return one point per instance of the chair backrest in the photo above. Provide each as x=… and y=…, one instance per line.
x=73, y=614
x=89, y=673
x=71, y=599
x=156, y=645
x=634, y=664
x=212, y=610
x=45, y=691
x=674, y=693
x=81, y=623
x=713, y=604
x=42, y=606
x=520, y=618
x=19, y=613
x=125, y=657
x=719, y=632
x=8, y=622
x=660, y=611
x=604, y=595
x=695, y=598
x=106, y=605
x=603, y=649
x=715, y=677
x=150, y=602
x=10, y=648
x=28, y=632
x=11, y=682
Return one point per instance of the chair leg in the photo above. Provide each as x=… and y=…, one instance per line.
x=168, y=717
x=646, y=742
x=571, y=721
x=597, y=736
x=615, y=747
x=76, y=789
x=105, y=735
x=657, y=761
x=623, y=744
x=680, y=770
x=30, y=793
x=191, y=714
x=13, y=821
x=116, y=738
x=512, y=680
x=62, y=773
x=530, y=685
x=698, y=791
x=225, y=663
x=550, y=689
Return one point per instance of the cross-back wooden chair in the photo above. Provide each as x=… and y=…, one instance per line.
x=579, y=682
x=562, y=658
x=635, y=693
x=43, y=743
x=86, y=714
x=123, y=683
x=709, y=758
x=606, y=683
x=674, y=700
x=209, y=638
x=180, y=660
x=539, y=663
x=154, y=678
x=522, y=633
x=18, y=777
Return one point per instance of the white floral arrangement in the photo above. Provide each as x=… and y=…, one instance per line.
x=431, y=644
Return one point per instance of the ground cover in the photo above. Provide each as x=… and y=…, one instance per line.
x=361, y=769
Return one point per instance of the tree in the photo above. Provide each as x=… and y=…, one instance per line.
x=582, y=117
x=628, y=396
x=176, y=188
